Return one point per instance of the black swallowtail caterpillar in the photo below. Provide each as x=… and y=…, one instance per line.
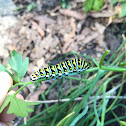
x=59, y=70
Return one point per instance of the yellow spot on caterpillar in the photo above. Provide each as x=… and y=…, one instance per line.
x=53, y=72
x=47, y=73
x=73, y=62
x=65, y=70
x=46, y=69
x=79, y=66
x=51, y=67
x=59, y=71
x=41, y=74
x=70, y=68
x=74, y=67
x=37, y=75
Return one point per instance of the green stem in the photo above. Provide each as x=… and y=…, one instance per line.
x=117, y=69
x=116, y=117
x=118, y=58
x=104, y=101
x=95, y=108
x=18, y=84
x=95, y=63
x=103, y=57
x=25, y=84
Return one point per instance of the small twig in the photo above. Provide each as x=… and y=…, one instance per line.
x=78, y=99
x=91, y=98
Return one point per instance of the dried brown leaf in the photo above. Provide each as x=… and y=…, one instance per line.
x=43, y=19
x=74, y=14
x=41, y=32
x=107, y=13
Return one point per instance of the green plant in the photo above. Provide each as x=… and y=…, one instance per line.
x=64, y=4
x=29, y=7
x=92, y=5
x=80, y=113
x=122, y=5
x=17, y=106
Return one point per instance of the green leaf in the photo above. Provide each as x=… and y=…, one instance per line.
x=88, y=4
x=92, y=4
x=2, y=68
x=123, y=123
x=17, y=106
x=64, y=3
x=20, y=67
x=123, y=12
x=97, y=5
x=31, y=6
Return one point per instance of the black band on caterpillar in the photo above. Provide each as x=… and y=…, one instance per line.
x=60, y=70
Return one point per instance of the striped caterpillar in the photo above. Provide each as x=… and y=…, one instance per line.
x=62, y=69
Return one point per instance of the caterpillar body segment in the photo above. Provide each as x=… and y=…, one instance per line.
x=74, y=65
x=60, y=70
x=42, y=73
x=65, y=70
x=69, y=66
x=53, y=71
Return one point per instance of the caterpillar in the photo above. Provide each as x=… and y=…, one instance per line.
x=59, y=70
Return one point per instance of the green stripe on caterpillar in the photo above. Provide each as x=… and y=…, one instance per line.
x=62, y=69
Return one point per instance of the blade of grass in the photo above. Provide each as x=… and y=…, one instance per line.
x=95, y=108
x=107, y=123
x=115, y=117
x=116, y=52
x=84, y=101
x=103, y=57
x=64, y=119
x=104, y=101
x=113, y=103
x=79, y=116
